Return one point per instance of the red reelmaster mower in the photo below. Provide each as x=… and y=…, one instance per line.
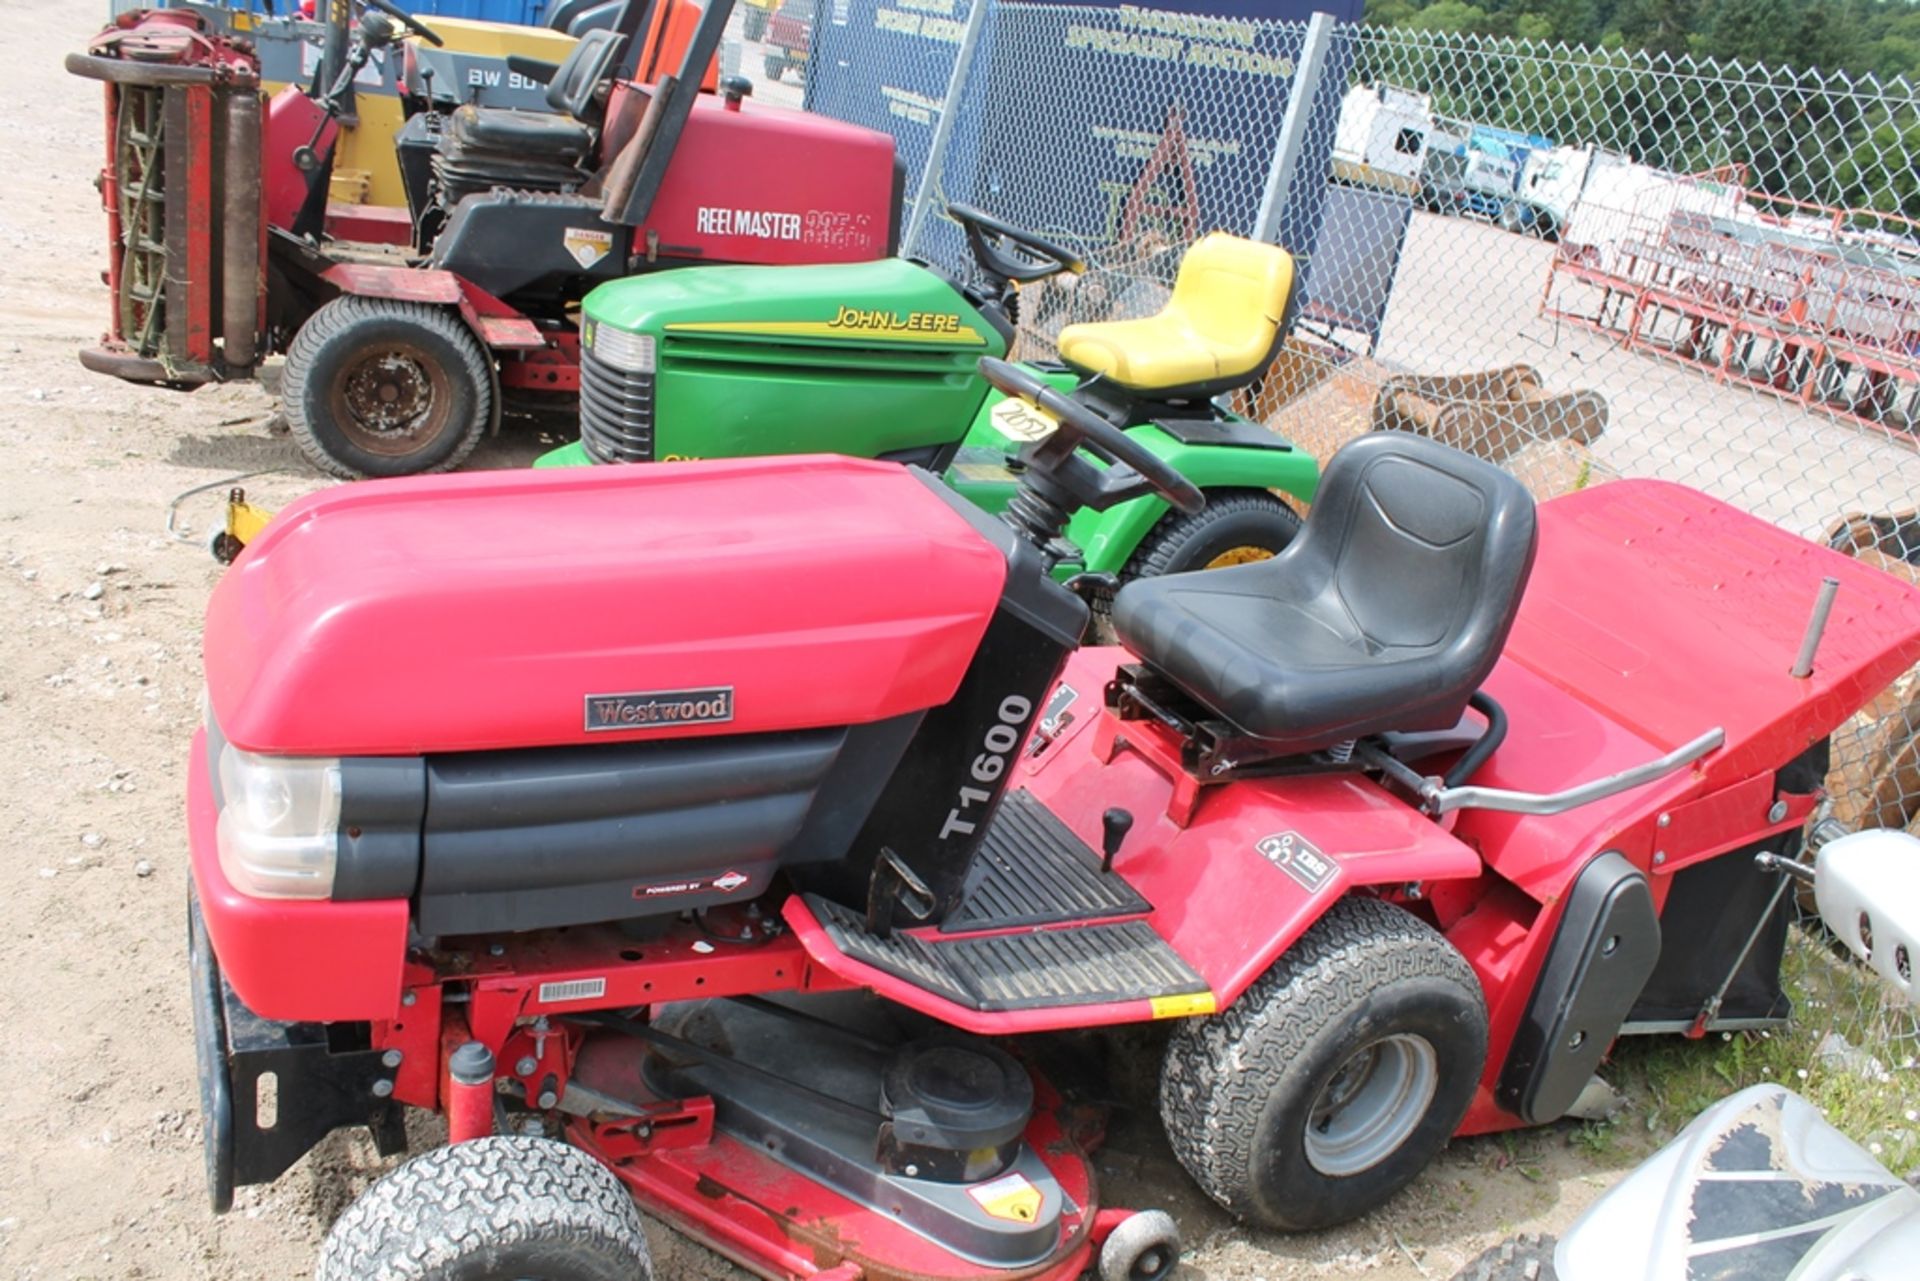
x=721, y=868
x=402, y=328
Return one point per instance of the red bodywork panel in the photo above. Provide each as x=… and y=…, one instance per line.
x=821, y=591
x=768, y=184
x=1655, y=613
x=292, y=121
x=498, y=326
x=369, y=224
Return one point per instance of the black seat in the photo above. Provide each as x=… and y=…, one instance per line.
x=485, y=147
x=526, y=135
x=1385, y=613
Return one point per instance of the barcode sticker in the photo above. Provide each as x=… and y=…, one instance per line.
x=572, y=990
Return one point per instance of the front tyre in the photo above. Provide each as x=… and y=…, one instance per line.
x=376, y=387
x=1336, y=1078
x=491, y=1209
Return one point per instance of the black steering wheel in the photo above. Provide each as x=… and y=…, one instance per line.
x=1038, y=259
x=1066, y=481
x=408, y=21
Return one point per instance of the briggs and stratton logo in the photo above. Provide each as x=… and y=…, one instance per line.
x=725, y=883
x=659, y=707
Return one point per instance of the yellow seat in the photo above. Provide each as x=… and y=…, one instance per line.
x=1218, y=330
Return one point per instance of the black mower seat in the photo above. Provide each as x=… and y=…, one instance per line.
x=498, y=146
x=519, y=135
x=1385, y=613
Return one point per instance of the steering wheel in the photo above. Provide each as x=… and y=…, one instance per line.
x=986, y=234
x=408, y=21
x=1065, y=480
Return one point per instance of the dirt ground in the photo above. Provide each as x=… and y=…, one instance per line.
x=99, y=691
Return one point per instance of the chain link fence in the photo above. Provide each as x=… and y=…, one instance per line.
x=1583, y=264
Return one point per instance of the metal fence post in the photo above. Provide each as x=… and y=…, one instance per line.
x=943, y=132
x=1293, y=125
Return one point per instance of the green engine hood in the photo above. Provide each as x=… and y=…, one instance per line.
x=875, y=359
x=891, y=302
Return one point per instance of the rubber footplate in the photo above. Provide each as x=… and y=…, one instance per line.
x=1039, y=969
x=1032, y=870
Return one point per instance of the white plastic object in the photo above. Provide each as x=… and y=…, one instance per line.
x=1867, y=886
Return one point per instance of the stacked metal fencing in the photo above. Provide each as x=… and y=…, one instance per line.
x=1699, y=271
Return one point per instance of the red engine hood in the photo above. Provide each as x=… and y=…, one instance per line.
x=459, y=613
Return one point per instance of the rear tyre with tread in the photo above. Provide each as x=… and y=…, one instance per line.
x=491, y=1209
x=1238, y=526
x=1336, y=1078
x=377, y=387
x=1524, y=1258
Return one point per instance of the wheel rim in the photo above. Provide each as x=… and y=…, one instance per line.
x=1246, y=554
x=1371, y=1104
x=392, y=400
x=1152, y=1265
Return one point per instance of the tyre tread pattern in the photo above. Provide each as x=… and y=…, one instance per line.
x=1171, y=534
x=341, y=314
x=1521, y=1258
x=442, y=1212
x=1218, y=1070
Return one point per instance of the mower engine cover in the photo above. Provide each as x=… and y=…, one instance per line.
x=534, y=698
x=765, y=184
x=468, y=613
x=871, y=359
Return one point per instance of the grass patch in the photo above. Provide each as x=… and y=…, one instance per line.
x=1871, y=1092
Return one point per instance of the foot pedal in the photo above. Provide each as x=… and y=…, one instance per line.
x=1041, y=969
x=1032, y=870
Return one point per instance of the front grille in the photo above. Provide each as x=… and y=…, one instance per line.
x=616, y=412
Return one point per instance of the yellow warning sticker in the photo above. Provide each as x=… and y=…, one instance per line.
x=1180, y=1007
x=1011, y=1197
x=1017, y=420
x=587, y=247
x=982, y=473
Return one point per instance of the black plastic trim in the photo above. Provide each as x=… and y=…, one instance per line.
x=534, y=838
x=383, y=803
x=1603, y=952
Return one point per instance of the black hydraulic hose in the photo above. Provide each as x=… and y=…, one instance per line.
x=1476, y=756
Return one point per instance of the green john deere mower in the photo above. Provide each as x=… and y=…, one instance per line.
x=881, y=360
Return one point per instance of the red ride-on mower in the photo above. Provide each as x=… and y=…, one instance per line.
x=402, y=328
x=719, y=867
